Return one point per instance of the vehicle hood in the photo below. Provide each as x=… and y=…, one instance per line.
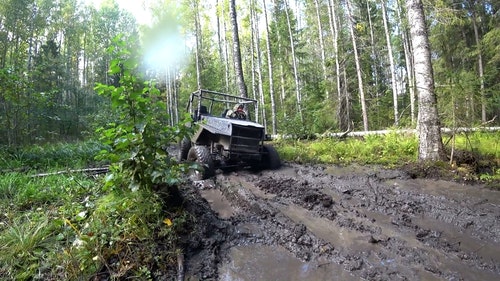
x=218, y=125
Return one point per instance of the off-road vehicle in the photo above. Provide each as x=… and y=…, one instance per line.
x=225, y=136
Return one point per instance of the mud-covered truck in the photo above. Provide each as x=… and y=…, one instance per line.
x=225, y=135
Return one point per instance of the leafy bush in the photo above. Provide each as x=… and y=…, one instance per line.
x=138, y=138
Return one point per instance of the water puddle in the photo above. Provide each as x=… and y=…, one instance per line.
x=327, y=230
x=449, y=190
x=218, y=203
x=257, y=262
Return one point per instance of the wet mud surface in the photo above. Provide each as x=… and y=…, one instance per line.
x=341, y=223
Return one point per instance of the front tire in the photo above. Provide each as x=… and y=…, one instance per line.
x=184, y=147
x=201, y=155
x=271, y=159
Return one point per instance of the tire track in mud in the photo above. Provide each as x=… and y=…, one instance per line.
x=374, y=224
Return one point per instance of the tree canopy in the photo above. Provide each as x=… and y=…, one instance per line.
x=314, y=65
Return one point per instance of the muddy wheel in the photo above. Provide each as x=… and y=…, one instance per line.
x=270, y=159
x=184, y=147
x=201, y=155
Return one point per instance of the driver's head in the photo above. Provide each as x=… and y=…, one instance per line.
x=238, y=107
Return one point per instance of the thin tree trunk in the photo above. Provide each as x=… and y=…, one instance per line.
x=358, y=67
x=341, y=116
x=374, y=53
x=240, y=80
x=391, y=63
x=429, y=133
x=260, y=85
x=294, y=64
x=198, y=44
x=479, y=63
x=322, y=49
x=408, y=63
x=270, y=73
x=253, y=64
x=222, y=45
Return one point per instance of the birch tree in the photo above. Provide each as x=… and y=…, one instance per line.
x=270, y=71
x=391, y=63
x=294, y=63
x=428, y=127
x=359, y=73
x=321, y=48
x=236, y=50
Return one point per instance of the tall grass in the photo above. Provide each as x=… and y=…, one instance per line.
x=391, y=149
x=60, y=155
x=66, y=227
x=487, y=144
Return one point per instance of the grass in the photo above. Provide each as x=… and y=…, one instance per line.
x=395, y=150
x=51, y=156
x=389, y=150
x=68, y=227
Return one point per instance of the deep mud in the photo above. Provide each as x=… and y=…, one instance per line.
x=333, y=223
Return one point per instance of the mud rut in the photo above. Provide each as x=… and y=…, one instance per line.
x=332, y=223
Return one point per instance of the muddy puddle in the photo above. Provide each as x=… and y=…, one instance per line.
x=346, y=223
x=256, y=262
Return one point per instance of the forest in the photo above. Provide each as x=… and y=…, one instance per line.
x=315, y=66
x=93, y=104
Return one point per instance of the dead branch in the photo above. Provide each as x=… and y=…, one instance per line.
x=89, y=171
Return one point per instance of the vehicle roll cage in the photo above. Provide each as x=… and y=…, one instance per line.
x=215, y=97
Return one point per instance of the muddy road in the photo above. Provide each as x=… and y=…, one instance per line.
x=332, y=223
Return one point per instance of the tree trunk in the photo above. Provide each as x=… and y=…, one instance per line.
x=270, y=70
x=358, y=67
x=222, y=45
x=391, y=63
x=408, y=63
x=479, y=62
x=198, y=44
x=236, y=51
x=294, y=64
x=428, y=127
x=260, y=86
x=322, y=49
x=342, y=111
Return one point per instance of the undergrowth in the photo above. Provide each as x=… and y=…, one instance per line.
x=392, y=149
x=476, y=155
x=66, y=227
x=51, y=156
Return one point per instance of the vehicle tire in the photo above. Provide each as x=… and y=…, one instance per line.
x=201, y=155
x=271, y=159
x=184, y=147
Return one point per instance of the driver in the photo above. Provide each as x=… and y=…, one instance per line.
x=238, y=112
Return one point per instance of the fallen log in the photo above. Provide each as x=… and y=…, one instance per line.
x=90, y=171
x=400, y=131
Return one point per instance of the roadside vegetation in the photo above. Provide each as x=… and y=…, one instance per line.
x=474, y=156
x=127, y=224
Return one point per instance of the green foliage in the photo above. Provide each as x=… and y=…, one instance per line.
x=484, y=143
x=50, y=156
x=67, y=228
x=138, y=139
x=391, y=149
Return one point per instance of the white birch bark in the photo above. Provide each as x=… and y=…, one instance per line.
x=294, y=64
x=358, y=66
x=270, y=73
x=428, y=127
